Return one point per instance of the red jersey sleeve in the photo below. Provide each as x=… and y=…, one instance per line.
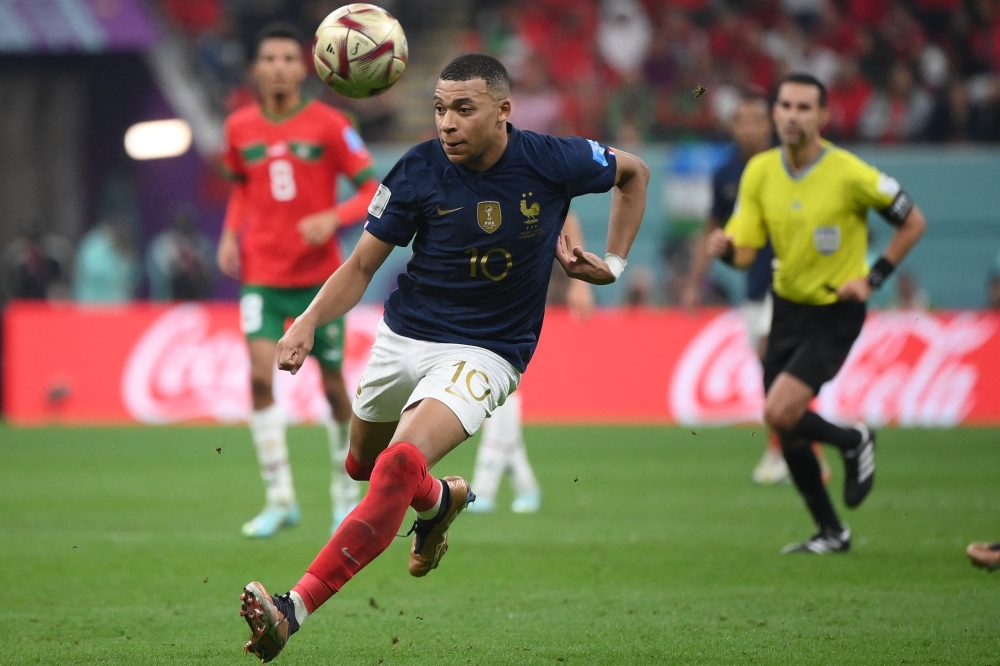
x=353, y=159
x=236, y=209
x=230, y=160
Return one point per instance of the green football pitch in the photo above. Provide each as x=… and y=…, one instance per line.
x=122, y=546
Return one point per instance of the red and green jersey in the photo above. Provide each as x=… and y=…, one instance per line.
x=287, y=169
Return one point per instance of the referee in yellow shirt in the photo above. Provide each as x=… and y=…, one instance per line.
x=812, y=199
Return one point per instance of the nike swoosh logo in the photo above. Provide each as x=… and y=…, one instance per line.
x=348, y=556
x=445, y=212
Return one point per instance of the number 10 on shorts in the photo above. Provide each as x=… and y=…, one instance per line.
x=469, y=377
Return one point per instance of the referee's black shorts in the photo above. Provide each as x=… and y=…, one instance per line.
x=811, y=342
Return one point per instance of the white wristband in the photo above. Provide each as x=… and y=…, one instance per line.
x=616, y=264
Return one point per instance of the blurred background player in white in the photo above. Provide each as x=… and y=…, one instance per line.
x=286, y=154
x=501, y=449
x=752, y=133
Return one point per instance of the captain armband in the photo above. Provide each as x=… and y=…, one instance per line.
x=896, y=212
x=616, y=264
x=880, y=272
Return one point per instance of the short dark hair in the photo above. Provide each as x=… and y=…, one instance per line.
x=277, y=30
x=479, y=66
x=809, y=80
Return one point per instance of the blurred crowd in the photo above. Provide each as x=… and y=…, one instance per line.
x=105, y=266
x=221, y=34
x=625, y=70
x=179, y=265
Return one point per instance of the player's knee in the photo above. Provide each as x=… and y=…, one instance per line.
x=356, y=469
x=400, y=461
x=779, y=417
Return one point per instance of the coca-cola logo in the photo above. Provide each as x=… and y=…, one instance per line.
x=186, y=366
x=909, y=368
x=718, y=377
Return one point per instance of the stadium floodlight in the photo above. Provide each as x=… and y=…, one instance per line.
x=157, y=139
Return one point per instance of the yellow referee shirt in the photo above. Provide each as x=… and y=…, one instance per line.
x=816, y=219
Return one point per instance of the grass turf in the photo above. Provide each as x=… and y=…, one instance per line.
x=122, y=546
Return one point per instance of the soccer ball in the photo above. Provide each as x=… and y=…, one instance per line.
x=360, y=50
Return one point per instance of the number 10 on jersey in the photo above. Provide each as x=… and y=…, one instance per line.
x=482, y=266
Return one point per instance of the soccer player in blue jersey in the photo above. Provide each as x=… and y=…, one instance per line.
x=483, y=205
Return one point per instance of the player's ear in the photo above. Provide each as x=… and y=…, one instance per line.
x=503, y=110
x=824, y=117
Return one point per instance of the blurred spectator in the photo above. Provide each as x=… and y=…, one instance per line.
x=536, y=105
x=650, y=54
x=901, y=31
x=795, y=50
x=805, y=12
x=194, y=16
x=848, y=97
x=993, y=292
x=624, y=35
x=909, y=295
x=107, y=270
x=562, y=33
x=181, y=261
x=902, y=112
x=631, y=112
x=36, y=265
x=641, y=287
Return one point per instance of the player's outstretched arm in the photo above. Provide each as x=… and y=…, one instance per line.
x=907, y=234
x=720, y=244
x=700, y=260
x=341, y=292
x=228, y=252
x=316, y=229
x=628, y=203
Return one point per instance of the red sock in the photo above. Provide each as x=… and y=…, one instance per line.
x=427, y=495
x=368, y=530
x=773, y=443
x=356, y=470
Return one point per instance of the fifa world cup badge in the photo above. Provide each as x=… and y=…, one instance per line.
x=489, y=216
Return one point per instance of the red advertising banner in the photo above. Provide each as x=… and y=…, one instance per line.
x=174, y=363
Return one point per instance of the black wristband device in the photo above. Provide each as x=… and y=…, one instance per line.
x=880, y=272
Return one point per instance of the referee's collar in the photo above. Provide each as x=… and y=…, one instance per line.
x=799, y=174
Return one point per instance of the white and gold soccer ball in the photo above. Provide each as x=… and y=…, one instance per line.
x=360, y=50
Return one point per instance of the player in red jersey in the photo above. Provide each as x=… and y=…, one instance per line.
x=285, y=155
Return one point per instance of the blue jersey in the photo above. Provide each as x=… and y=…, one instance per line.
x=483, y=243
x=725, y=185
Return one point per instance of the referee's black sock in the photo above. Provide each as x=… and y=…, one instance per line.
x=815, y=428
x=804, y=468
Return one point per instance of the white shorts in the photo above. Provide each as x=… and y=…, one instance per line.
x=402, y=371
x=757, y=315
